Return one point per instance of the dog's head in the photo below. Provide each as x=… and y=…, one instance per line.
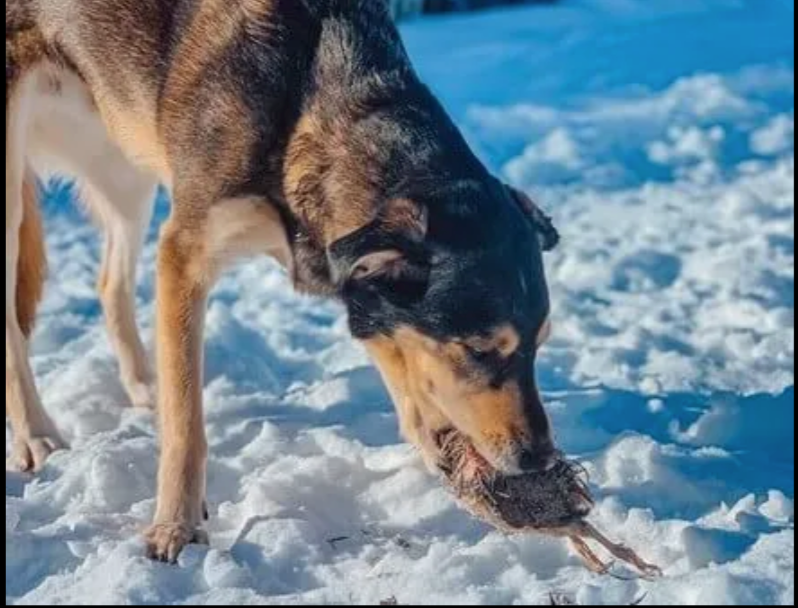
x=447, y=291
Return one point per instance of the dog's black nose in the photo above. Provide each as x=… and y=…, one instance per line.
x=537, y=461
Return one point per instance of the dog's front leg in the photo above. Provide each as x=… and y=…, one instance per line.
x=183, y=286
x=196, y=246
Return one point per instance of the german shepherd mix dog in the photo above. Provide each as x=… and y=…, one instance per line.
x=293, y=128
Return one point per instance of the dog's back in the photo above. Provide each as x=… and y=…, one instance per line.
x=156, y=67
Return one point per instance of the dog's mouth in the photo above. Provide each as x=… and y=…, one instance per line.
x=542, y=501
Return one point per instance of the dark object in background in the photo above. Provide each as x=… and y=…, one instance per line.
x=446, y=6
x=409, y=8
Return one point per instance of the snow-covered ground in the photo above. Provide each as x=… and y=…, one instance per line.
x=661, y=135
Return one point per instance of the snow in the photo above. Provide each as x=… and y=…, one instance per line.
x=660, y=135
x=774, y=138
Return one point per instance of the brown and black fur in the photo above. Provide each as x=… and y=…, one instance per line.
x=298, y=128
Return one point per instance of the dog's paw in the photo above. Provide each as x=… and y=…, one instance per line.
x=28, y=455
x=165, y=542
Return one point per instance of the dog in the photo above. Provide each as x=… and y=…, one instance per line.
x=292, y=128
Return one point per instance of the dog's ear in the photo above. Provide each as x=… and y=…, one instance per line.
x=388, y=264
x=399, y=277
x=542, y=223
x=387, y=257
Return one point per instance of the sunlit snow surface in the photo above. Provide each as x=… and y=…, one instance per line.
x=660, y=134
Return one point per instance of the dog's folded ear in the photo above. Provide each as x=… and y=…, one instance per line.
x=542, y=223
x=386, y=256
x=397, y=276
x=389, y=264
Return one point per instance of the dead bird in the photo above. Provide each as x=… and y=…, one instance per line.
x=555, y=502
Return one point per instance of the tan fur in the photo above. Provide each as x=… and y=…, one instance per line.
x=214, y=26
x=504, y=340
x=183, y=286
x=138, y=136
x=32, y=264
x=306, y=167
x=428, y=384
x=187, y=268
x=313, y=154
x=243, y=228
x=419, y=420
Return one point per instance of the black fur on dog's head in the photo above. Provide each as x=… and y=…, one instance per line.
x=447, y=290
x=474, y=263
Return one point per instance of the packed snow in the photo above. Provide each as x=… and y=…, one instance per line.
x=660, y=134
